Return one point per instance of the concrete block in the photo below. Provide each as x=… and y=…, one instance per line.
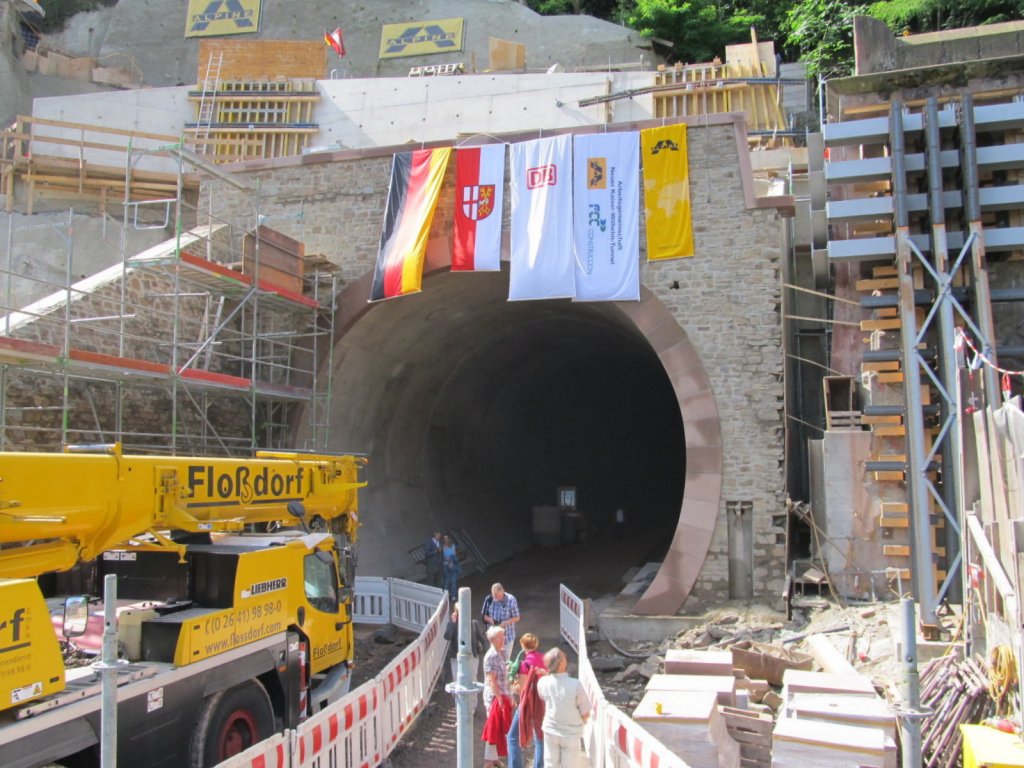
x=680, y=661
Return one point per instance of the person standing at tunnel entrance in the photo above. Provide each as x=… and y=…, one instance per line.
x=497, y=699
x=500, y=609
x=566, y=709
x=432, y=559
x=450, y=568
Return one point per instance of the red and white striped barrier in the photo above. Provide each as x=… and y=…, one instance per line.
x=611, y=738
x=274, y=752
x=361, y=729
x=345, y=734
x=570, y=617
x=627, y=743
x=409, y=680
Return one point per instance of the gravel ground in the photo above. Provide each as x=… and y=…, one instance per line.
x=431, y=740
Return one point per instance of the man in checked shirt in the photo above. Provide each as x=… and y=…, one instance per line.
x=501, y=610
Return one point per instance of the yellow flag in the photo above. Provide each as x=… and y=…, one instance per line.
x=666, y=192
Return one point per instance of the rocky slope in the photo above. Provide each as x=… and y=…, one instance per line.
x=148, y=35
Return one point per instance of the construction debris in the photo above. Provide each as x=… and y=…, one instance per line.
x=955, y=691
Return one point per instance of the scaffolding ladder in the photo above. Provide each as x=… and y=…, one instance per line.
x=208, y=100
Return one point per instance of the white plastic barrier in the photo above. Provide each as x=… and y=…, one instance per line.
x=408, y=681
x=412, y=604
x=361, y=729
x=371, y=603
x=611, y=738
x=345, y=734
x=570, y=617
x=274, y=752
x=628, y=744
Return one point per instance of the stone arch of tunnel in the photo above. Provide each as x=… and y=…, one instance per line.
x=473, y=410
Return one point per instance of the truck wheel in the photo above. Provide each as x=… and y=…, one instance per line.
x=230, y=722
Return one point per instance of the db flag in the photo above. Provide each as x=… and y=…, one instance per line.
x=335, y=40
x=541, y=184
x=416, y=179
x=479, y=183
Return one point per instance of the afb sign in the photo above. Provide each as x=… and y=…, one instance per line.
x=419, y=38
x=207, y=18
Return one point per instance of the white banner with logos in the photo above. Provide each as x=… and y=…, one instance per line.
x=606, y=214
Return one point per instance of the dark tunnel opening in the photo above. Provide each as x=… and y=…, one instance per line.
x=473, y=410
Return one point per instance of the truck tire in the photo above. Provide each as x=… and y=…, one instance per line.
x=230, y=722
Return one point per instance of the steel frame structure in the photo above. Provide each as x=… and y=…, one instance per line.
x=211, y=337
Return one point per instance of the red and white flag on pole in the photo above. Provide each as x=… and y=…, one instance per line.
x=336, y=40
x=542, y=264
x=479, y=184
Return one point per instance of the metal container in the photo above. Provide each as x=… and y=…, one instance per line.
x=547, y=527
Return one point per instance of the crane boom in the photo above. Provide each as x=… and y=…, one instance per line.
x=58, y=509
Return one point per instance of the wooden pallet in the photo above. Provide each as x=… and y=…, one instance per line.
x=753, y=732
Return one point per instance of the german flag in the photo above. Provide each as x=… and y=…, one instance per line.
x=416, y=179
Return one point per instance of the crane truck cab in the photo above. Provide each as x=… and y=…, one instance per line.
x=228, y=633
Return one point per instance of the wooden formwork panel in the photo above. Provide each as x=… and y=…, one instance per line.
x=264, y=59
x=506, y=55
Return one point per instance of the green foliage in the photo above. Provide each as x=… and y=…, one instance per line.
x=601, y=9
x=59, y=11
x=821, y=32
x=818, y=32
x=698, y=29
x=929, y=15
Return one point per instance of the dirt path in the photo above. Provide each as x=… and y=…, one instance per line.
x=591, y=569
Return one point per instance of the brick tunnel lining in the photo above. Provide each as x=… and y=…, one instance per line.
x=474, y=409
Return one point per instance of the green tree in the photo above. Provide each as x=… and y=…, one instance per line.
x=821, y=32
x=601, y=9
x=698, y=29
x=59, y=11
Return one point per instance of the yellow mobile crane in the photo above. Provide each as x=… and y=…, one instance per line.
x=233, y=625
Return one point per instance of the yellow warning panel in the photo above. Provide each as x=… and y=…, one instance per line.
x=419, y=38
x=986, y=747
x=206, y=18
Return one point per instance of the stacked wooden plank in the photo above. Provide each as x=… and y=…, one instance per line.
x=833, y=719
x=690, y=724
x=742, y=737
x=753, y=732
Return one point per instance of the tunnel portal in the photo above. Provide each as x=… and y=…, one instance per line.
x=473, y=410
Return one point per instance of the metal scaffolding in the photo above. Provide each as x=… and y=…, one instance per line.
x=190, y=346
x=931, y=193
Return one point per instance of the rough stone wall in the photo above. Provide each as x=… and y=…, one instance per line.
x=215, y=422
x=334, y=208
x=35, y=416
x=727, y=299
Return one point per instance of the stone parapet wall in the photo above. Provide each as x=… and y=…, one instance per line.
x=728, y=300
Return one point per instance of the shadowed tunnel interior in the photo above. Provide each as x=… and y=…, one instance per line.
x=473, y=410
